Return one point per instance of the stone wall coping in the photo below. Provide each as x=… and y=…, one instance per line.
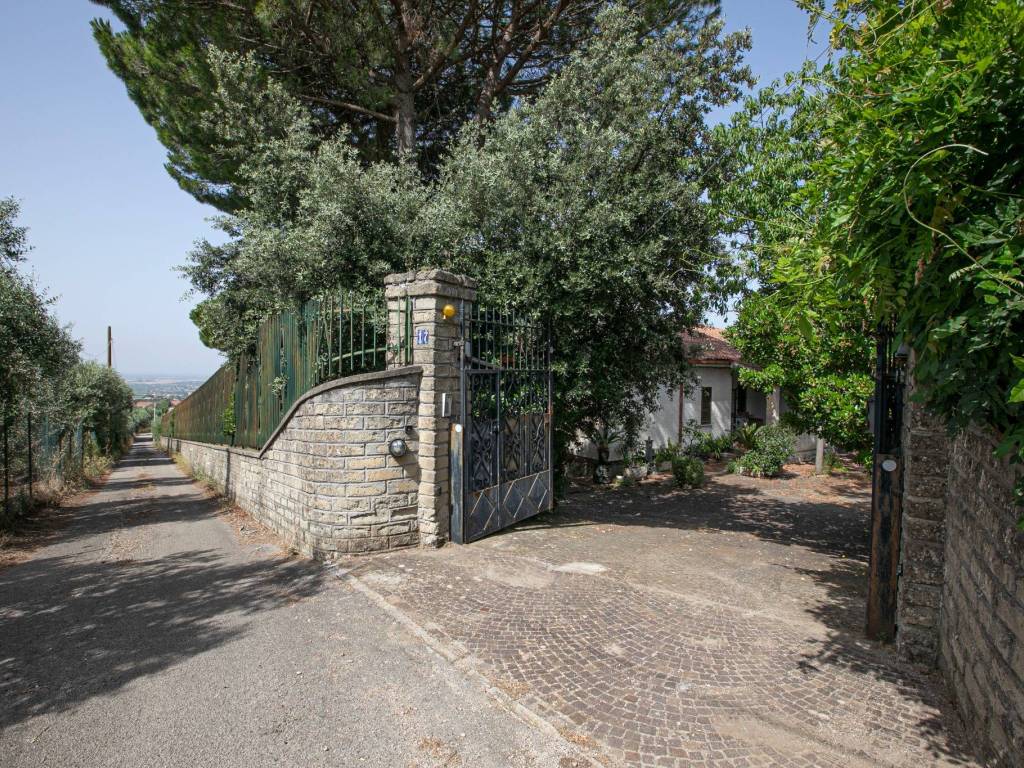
x=327, y=386
x=252, y=453
x=433, y=275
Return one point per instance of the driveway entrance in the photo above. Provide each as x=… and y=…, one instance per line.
x=718, y=627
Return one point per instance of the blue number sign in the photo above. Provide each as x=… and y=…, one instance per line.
x=422, y=336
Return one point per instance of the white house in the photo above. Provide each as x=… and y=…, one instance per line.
x=711, y=400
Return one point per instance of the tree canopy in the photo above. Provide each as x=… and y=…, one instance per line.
x=909, y=208
x=394, y=77
x=586, y=206
x=34, y=346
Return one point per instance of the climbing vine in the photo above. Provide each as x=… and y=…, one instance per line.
x=910, y=202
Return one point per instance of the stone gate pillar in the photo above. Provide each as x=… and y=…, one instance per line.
x=426, y=293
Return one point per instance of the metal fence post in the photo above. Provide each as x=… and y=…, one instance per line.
x=28, y=419
x=7, y=467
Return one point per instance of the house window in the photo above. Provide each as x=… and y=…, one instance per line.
x=741, y=399
x=705, y=406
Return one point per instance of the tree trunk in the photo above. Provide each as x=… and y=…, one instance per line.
x=405, y=113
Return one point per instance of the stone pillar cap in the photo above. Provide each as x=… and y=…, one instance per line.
x=435, y=275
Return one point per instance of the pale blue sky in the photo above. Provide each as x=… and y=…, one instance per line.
x=106, y=221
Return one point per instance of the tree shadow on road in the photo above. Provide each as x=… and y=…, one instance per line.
x=836, y=527
x=74, y=630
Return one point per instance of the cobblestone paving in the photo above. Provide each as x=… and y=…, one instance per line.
x=662, y=628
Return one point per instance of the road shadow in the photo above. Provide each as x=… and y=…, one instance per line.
x=74, y=630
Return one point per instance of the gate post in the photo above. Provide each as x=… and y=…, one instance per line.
x=426, y=293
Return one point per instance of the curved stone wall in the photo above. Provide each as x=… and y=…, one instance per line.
x=325, y=480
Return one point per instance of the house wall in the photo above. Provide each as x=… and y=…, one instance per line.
x=720, y=379
x=662, y=425
x=757, y=407
x=325, y=481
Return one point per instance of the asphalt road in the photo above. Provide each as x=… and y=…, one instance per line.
x=149, y=633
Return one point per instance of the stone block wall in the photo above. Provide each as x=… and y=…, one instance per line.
x=981, y=630
x=919, y=596
x=961, y=588
x=325, y=481
x=435, y=352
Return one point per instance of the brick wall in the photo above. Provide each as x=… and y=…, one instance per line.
x=961, y=589
x=981, y=631
x=325, y=481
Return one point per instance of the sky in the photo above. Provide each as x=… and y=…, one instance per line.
x=108, y=224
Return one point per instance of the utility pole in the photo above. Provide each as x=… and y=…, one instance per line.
x=110, y=348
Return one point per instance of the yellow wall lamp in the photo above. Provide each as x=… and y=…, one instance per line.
x=448, y=311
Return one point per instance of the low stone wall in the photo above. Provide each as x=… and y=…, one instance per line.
x=325, y=481
x=961, y=589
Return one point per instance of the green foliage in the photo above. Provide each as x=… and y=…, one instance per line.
x=743, y=437
x=688, y=472
x=34, y=347
x=102, y=401
x=832, y=463
x=773, y=445
x=822, y=365
x=706, y=446
x=667, y=452
x=41, y=372
x=908, y=206
x=228, y=418
x=586, y=207
x=396, y=78
x=141, y=419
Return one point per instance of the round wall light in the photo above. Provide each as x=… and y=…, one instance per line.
x=398, y=448
x=448, y=311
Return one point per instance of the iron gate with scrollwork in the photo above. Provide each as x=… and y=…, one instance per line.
x=505, y=474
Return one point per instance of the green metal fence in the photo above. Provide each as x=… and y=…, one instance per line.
x=330, y=337
x=35, y=449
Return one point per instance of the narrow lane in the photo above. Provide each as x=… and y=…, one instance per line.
x=149, y=634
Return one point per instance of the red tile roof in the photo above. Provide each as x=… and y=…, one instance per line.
x=705, y=344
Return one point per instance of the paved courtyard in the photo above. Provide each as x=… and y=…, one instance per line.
x=656, y=627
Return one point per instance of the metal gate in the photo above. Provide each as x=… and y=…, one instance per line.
x=504, y=474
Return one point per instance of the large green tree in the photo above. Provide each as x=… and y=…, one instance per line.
x=587, y=206
x=818, y=352
x=911, y=201
x=34, y=346
x=398, y=77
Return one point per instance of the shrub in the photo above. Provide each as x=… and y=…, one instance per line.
x=773, y=445
x=667, y=452
x=688, y=471
x=744, y=436
x=706, y=446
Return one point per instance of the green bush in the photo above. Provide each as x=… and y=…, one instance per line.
x=744, y=436
x=668, y=452
x=688, y=471
x=773, y=445
x=706, y=446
